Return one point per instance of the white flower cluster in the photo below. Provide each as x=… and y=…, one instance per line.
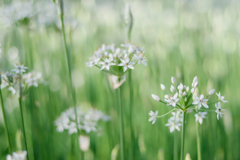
x=117, y=60
x=21, y=155
x=16, y=12
x=11, y=80
x=185, y=100
x=87, y=120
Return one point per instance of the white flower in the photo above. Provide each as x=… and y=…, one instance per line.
x=172, y=89
x=187, y=89
x=192, y=90
x=211, y=92
x=199, y=116
x=126, y=64
x=140, y=58
x=163, y=87
x=219, y=110
x=195, y=82
x=155, y=97
x=106, y=64
x=173, y=125
x=221, y=98
x=172, y=100
x=180, y=87
x=200, y=101
x=177, y=116
x=153, y=116
x=173, y=80
x=19, y=69
x=20, y=155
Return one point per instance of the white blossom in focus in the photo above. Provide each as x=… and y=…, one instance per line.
x=200, y=101
x=219, y=110
x=153, y=116
x=221, y=98
x=172, y=100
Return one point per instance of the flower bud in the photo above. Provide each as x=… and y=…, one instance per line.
x=211, y=92
x=163, y=87
x=172, y=89
x=155, y=97
x=173, y=80
x=192, y=90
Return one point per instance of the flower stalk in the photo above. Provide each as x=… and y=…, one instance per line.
x=5, y=118
x=198, y=142
x=183, y=135
x=72, y=89
x=21, y=110
x=121, y=123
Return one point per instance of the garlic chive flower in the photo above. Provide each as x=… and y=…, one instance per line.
x=184, y=100
x=153, y=116
x=221, y=98
x=199, y=116
x=173, y=124
x=200, y=101
x=20, y=155
x=19, y=69
x=87, y=120
x=117, y=60
x=219, y=109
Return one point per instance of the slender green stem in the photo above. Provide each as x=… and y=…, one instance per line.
x=70, y=73
x=22, y=117
x=166, y=113
x=175, y=156
x=198, y=142
x=183, y=136
x=5, y=123
x=132, y=138
x=121, y=123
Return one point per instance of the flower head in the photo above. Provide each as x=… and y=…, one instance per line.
x=19, y=69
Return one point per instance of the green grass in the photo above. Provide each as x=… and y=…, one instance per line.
x=182, y=39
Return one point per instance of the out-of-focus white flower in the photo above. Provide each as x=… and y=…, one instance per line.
x=192, y=90
x=114, y=81
x=126, y=64
x=84, y=142
x=106, y=64
x=153, y=116
x=200, y=101
x=219, y=110
x=87, y=120
x=173, y=80
x=199, y=116
x=117, y=60
x=163, y=87
x=177, y=116
x=172, y=89
x=211, y=92
x=155, y=97
x=180, y=87
x=221, y=98
x=173, y=125
x=19, y=69
x=21, y=155
x=172, y=100
x=195, y=82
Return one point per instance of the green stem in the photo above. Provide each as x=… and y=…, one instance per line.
x=121, y=123
x=166, y=113
x=198, y=142
x=175, y=156
x=132, y=138
x=70, y=74
x=22, y=117
x=183, y=136
x=5, y=122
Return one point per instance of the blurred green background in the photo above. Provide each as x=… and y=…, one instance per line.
x=181, y=38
